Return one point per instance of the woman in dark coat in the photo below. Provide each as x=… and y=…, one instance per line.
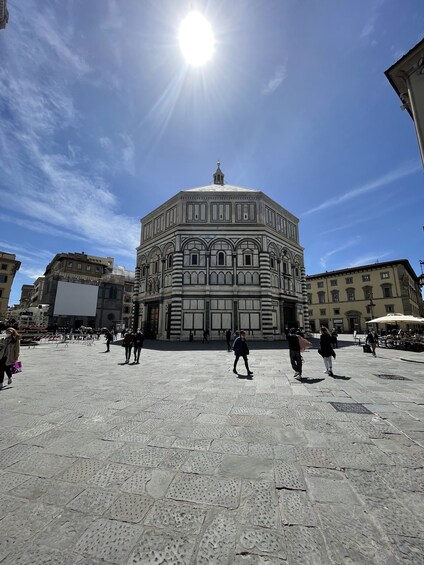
x=128, y=343
x=138, y=345
x=326, y=350
x=241, y=350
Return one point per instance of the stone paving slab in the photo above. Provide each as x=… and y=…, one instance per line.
x=177, y=460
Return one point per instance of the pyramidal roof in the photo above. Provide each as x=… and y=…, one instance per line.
x=218, y=184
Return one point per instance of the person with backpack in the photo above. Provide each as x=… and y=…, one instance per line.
x=241, y=350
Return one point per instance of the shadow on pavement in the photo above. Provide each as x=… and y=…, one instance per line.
x=306, y=381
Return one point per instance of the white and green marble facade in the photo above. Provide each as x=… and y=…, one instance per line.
x=219, y=257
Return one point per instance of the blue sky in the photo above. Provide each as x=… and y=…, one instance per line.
x=101, y=121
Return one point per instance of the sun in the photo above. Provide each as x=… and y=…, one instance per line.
x=196, y=38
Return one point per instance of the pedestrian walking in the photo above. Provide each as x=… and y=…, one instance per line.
x=205, y=336
x=109, y=339
x=138, y=345
x=228, y=338
x=334, y=336
x=297, y=344
x=241, y=350
x=9, y=354
x=326, y=350
x=128, y=344
x=372, y=340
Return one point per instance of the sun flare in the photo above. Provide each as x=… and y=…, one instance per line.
x=196, y=38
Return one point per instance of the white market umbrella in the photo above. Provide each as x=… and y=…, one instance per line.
x=397, y=319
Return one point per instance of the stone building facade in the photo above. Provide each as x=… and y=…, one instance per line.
x=218, y=257
x=346, y=299
x=8, y=268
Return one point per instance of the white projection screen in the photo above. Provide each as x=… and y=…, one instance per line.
x=73, y=299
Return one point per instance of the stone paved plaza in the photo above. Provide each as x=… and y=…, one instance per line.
x=178, y=461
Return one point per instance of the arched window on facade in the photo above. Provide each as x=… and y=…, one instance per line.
x=221, y=258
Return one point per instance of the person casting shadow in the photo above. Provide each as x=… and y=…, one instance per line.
x=241, y=350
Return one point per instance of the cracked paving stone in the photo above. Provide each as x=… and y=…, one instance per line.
x=42, y=465
x=81, y=471
x=259, y=504
x=9, y=504
x=49, y=491
x=65, y=530
x=162, y=547
x=178, y=516
x=202, y=462
x=403, y=478
x=205, y=490
x=394, y=518
x=305, y=546
x=28, y=519
x=288, y=476
x=41, y=556
x=153, y=482
x=369, y=484
x=130, y=507
x=93, y=500
x=261, y=541
x=15, y=453
x=351, y=536
x=9, y=481
x=109, y=540
x=411, y=550
x=217, y=542
x=296, y=509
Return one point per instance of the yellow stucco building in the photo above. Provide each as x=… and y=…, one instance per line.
x=346, y=299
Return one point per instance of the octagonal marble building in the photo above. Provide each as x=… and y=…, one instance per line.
x=218, y=257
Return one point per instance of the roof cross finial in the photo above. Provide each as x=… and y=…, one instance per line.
x=218, y=177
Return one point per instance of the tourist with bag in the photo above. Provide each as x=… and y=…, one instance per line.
x=372, y=341
x=326, y=350
x=297, y=345
x=9, y=354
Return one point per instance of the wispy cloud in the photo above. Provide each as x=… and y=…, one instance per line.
x=276, y=80
x=352, y=242
x=390, y=177
x=368, y=259
x=55, y=190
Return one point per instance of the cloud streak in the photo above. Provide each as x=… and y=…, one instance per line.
x=375, y=184
x=276, y=80
x=352, y=242
x=55, y=191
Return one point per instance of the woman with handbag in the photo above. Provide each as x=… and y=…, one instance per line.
x=326, y=350
x=9, y=354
